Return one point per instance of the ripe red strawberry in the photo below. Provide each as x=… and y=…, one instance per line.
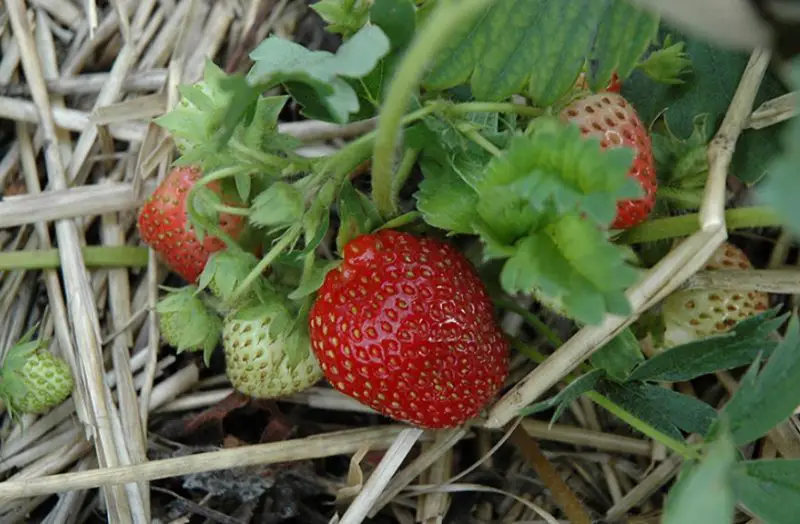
x=693, y=314
x=163, y=225
x=615, y=122
x=406, y=327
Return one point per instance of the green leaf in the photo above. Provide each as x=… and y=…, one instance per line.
x=280, y=205
x=738, y=347
x=767, y=399
x=280, y=61
x=623, y=35
x=201, y=110
x=572, y=263
x=443, y=198
x=709, y=89
x=343, y=16
x=566, y=396
x=769, y=488
x=782, y=184
x=663, y=409
x=357, y=213
x=619, y=356
x=539, y=47
x=704, y=492
x=553, y=168
x=313, y=280
x=397, y=18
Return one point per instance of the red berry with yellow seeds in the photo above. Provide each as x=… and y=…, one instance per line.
x=693, y=314
x=612, y=119
x=163, y=225
x=405, y=326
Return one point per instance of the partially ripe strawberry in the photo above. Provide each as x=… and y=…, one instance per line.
x=405, y=326
x=163, y=225
x=612, y=119
x=264, y=357
x=693, y=314
x=32, y=379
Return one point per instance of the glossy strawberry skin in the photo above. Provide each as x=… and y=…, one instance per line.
x=163, y=225
x=406, y=327
x=612, y=119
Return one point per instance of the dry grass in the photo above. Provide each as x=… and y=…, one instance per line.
x=80, y=82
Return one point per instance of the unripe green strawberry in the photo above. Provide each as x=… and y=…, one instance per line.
x=694, y=314
x=265, y=355
x=187, y=323
x=33, y=379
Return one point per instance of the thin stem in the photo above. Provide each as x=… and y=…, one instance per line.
x=213, y=229
x=496, y=107
x=684, y=225
x=285, y=241
x=404, y=171
x=447, y=17
x=675, y=445
x=93, y=256
x=472, y=134
x=260, y=156
x=533, y=321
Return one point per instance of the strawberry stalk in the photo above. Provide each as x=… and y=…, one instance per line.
x=679, y=226
x=284, y=242
x=445, y=19
x=212, y=228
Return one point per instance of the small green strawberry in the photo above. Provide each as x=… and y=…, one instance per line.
x=33, y=380
x=268, y=352
x=187, y=323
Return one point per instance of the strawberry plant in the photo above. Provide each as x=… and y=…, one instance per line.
x=541, y=151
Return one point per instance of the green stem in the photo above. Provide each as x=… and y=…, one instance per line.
x=93, y=256
x=404, y=171
x=239, y=211
x=285, y=241
x=213, y=229
x=496, y=107
x=472, y=134
x=259, y=156
x=675, y=445
x=672, y=227
x=446, y=18
x=533, y=321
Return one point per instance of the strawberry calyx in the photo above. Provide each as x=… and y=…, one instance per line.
x=187, y=321
x=668, y=64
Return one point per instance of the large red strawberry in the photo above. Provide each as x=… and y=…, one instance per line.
x=163, y=225
x=615, y=122
x=406, y=327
